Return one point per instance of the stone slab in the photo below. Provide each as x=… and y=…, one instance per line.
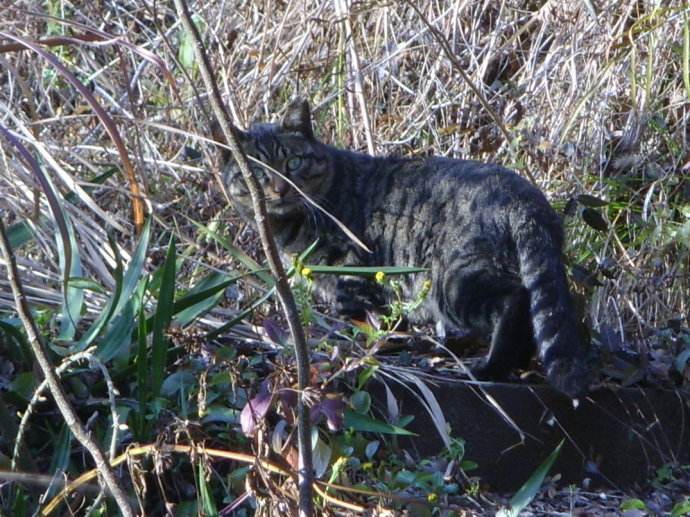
x=615, y=438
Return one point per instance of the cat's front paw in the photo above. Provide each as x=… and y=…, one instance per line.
x=353, y=298
x=485, y=371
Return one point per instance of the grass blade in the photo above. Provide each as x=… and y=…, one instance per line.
x=61, y=454
x=236, y=253
x=686, y=54
x=143, y=386
x=73, y=295
x=202, y=297
x=208, y=506
x=359, y=422
x=136, y=266
x=364, y=271
x=527, y=492
x=109, y=309
x=161, y=320
x=243, y=314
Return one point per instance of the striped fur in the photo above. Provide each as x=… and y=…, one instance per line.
x=490, y=238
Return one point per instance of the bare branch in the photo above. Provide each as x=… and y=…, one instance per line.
x=305, y=475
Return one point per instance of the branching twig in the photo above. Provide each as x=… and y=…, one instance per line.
x=68, y=413
x=287, y=300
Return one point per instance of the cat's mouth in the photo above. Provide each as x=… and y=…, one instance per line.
x=282, y=206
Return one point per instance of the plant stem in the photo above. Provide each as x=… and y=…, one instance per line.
x=287, y=300
x=63, y=404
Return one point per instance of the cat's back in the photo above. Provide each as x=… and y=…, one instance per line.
x=439, y=184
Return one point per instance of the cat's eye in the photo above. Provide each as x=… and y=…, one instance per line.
x=293, y=163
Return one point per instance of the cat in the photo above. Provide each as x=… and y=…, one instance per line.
x=489, y=238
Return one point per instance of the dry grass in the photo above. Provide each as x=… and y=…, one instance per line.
x=594, y=98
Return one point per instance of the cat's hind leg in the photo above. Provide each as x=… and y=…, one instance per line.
x=496, y=307
x=512, y=340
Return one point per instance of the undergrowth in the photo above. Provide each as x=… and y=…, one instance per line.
x=589, y=100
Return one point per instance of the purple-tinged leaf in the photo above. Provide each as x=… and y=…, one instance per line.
x=332, y=409
x=274, y=332
x=255, y=410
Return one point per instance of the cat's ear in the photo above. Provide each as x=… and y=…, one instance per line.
x=297, y=117
x=218, y=136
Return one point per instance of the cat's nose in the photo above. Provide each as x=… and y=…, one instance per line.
x=280, y=186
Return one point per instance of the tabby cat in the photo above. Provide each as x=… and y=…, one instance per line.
x=490, y=239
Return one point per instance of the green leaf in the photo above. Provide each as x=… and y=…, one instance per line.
x=73, y=296
x=107, y=313
x=61, y=453
x=243, y=314
x=361, y=402
x=176, y=382
x=208, y=506
x=119, y=333
x=86, y=284
x=143, y=387
x=363, y=271
x=468, y=465
x=221, y=414
x=161, y=320
x=21, y=504
x=236, y=253
x=21, y=352
x=365, y=374
x=23, y=385
x=595, y=219
x=591, y=201
x=185, y=54
x=306, y=253
x=527, y=492
x=321, y=454
x=633, y=504
x=354, y=420
x=19, y=234
x=135, y=268
x=202, y=297
x=681, y=509
x=371, y=448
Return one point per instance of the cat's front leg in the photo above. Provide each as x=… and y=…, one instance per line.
x=355, y=295
x=350, y=296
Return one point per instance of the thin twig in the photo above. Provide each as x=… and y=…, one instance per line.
x=342, y=9
x=305, y=475
x=63, y=404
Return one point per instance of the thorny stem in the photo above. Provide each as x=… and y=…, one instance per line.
x=305, y=474
x=68, y=413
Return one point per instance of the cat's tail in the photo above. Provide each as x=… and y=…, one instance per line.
x=561, y=348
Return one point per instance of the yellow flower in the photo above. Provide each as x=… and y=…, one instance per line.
x=306, y=272
x=380, y=275
x=432, y=497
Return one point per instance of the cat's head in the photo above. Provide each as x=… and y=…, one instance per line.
x=290, y=148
